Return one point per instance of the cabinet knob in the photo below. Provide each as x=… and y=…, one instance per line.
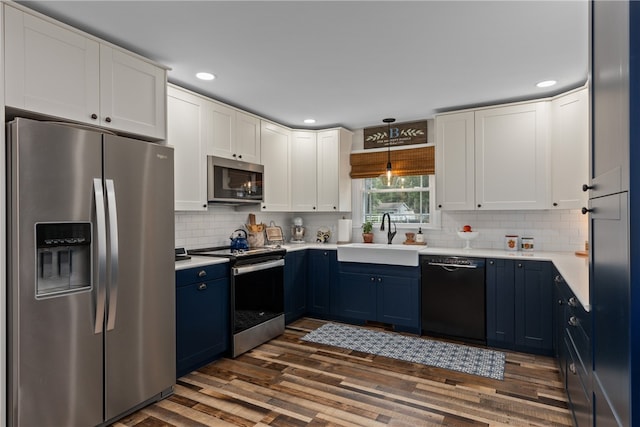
x=202, y=273
x=439, y=206
x=585, y=211
x=573, y=321
x=572, y=368
x=334, y=208
x=107, y=119
x=373, y=279
x=326, y=253
x=379, y=279
x=492, y=262
x=204, y=206
x=586, y=187
x=202, y=286
x=264, y=207
x=94, y=116
x=479, y=205
x=233, y=155
x=560, y=302
x=558, y=279
x=519, y=265
x=314, y=208
x=573, y=302
x=555, y=204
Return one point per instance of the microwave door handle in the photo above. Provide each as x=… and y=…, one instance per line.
x=112, y=213
x=101, y=225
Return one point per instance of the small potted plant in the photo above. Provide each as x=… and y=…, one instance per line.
x=367, y=232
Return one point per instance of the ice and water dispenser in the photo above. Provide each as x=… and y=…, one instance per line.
x=63, y=258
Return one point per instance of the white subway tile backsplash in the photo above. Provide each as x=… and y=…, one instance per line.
x=565, y=230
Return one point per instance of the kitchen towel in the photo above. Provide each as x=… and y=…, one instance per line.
x=344, y=230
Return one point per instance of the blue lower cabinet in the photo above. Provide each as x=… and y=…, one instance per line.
x=381, y=293
x=520, y=305
x=295, y=285
x=202, y=316
x=322, y=272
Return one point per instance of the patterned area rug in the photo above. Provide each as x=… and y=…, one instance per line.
x=471, y=360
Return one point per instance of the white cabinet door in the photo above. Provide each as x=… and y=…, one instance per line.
x=223, y=120
x=275, y=143
x=248, y=137
x=50, y=69
x=186, y=132
x=455, y=161
x=132, y=94
x=569, y=150
x=236, y=135
x=511, y=157
x=329, y=171
x=304, y=171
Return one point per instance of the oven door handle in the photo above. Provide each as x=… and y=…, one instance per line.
x=244, y=269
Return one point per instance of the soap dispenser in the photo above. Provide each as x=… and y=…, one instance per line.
x=420, y=236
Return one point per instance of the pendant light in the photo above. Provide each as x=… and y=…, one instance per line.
x=388, y=176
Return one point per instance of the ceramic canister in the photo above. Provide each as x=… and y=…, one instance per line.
x=511, y=242
x=527, y=244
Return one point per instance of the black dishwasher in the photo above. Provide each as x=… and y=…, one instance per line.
x=453, y=298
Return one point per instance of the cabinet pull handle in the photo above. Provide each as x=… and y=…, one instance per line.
x=107, y=119
x=94, y=116
x=585, y=211
x=202, y=273
x=573, y=321
x=586, y=187
x=573, y=302
x=572, y=368
x=202, y=286
x=558, y=279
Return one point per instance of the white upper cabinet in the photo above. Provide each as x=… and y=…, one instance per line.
x=236, y=135
x=320, y=180
x=187, y=133
x=334, y=182
x=304, y=171
x=570, y=149
x=275, y=147
x=57, y=71
x=493, y=158
x=455, y=161
x=511, y=157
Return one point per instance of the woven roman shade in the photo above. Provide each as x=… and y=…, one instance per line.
x=414, y=161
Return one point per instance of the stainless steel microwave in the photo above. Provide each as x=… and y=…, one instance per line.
x=233, y=181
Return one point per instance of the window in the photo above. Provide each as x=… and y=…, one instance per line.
x=409, y=200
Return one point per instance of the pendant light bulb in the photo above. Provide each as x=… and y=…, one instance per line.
x=389, y=173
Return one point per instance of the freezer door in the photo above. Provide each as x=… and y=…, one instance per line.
x=140, y=337
x=55, y=357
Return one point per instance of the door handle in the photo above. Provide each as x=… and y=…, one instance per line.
x=101, y=225
x=112, y=213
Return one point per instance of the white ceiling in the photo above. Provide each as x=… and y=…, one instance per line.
x=349, y=63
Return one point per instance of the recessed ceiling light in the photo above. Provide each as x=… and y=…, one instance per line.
x=205, y=76
x=546, y=83
x=309, y=121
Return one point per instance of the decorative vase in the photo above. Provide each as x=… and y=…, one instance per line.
x=367, y=237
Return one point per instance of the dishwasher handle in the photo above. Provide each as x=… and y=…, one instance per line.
x=452, y=267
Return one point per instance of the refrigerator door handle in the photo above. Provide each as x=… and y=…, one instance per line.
x=102, y=256
x=112, y=213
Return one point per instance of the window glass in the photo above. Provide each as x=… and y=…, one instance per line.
x=409, y=199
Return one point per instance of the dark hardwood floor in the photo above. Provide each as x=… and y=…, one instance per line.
x=288, y=382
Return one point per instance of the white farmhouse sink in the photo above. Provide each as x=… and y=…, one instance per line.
x=378, y=253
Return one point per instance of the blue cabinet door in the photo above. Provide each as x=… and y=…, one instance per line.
x=399, y=302
x=295, y=285
x=202, y=323
x=322, y=271
x=534, y=307
x=355, y=297
x=382, y=293
x=500, y=303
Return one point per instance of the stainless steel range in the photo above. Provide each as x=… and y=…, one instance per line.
x=257, y=294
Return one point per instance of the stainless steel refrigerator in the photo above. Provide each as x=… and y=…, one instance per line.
x=91, y=279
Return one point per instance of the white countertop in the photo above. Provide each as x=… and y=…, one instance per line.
x=198, y=261
x=574, y=269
